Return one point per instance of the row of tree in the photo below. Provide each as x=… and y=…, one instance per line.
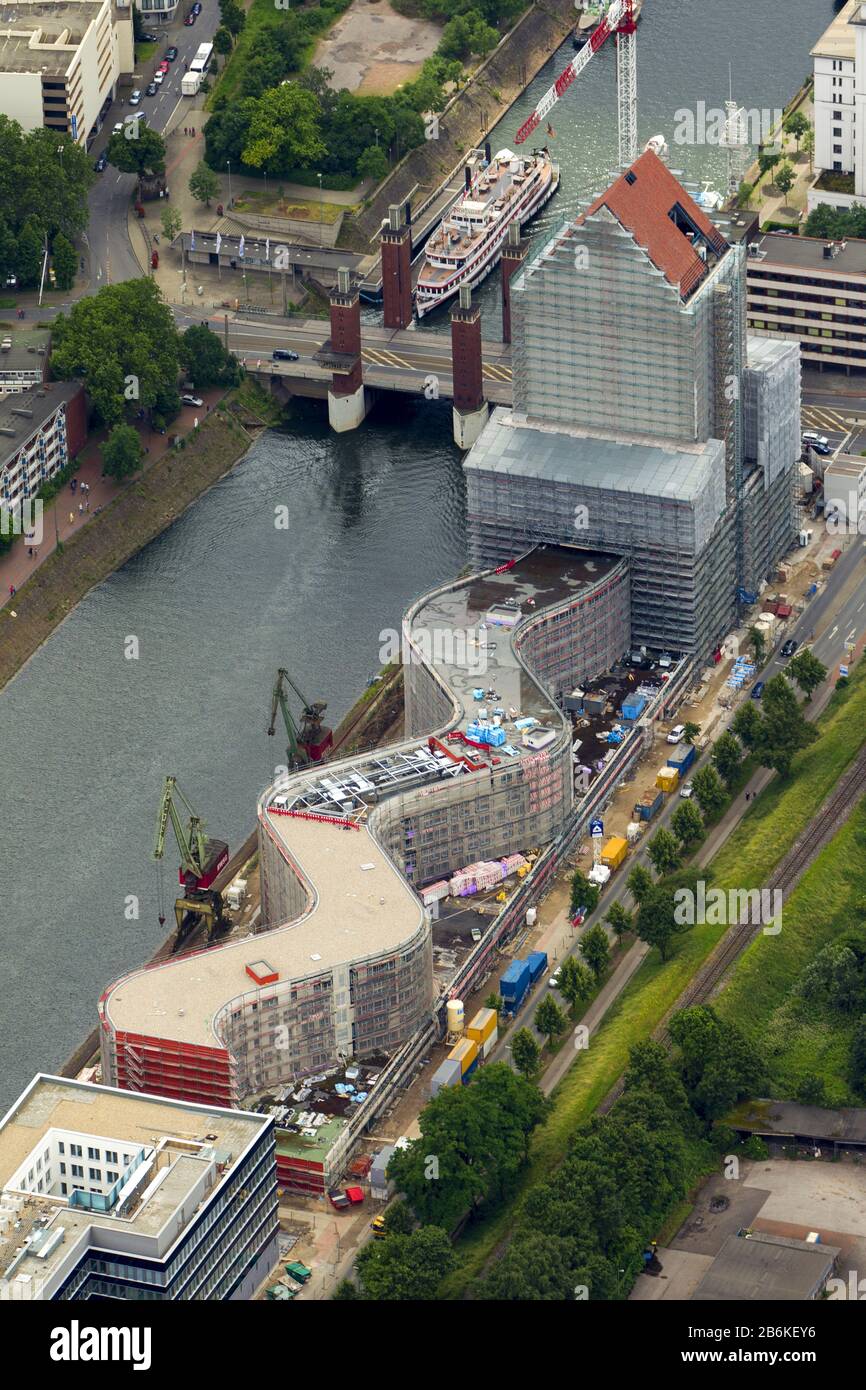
x=44, y=179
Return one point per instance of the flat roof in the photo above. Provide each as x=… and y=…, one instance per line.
x=24, y=351
x=807, y=252
x=41, y=403
x=844, y=1126
x=838, y=39
x=764, y=1268
x=44, y=37
x=360, y=903
x=58, y=1103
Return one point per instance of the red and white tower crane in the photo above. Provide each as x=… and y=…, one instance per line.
x=618, y=20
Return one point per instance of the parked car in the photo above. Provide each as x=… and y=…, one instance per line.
x=812, y=437
x=789, y=647
x=158, y=78
x=378, y=1228
x=150, y=38
x=757, y=690
x=284, y=355
x=135, y=97
x=553, y=982
x=686, y=790
x=192, y=400
x=118, y=128
x=677, y=733
x=164, y=66
x=151, y=89
x=171, y=53
x=190, y=19
x=196, y=9
x=822, y=449
x=101, y=162
x=338, y=1199
x=11, y=282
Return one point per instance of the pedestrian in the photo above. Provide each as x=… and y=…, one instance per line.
x=11, y=590
x=80, y=508
x=185, y=131
x=30, y=551
x=71, y=518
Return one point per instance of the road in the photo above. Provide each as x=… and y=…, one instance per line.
x=110, y=255
x=835, y=617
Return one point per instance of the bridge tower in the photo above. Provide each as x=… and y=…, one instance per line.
x=347, y=405
x=513, y=256
x=470, y=408
x=396, y=242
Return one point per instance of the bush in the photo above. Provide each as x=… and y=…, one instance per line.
x=773, y=226
x=754, y=1147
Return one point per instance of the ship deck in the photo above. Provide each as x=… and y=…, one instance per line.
x=440, y=243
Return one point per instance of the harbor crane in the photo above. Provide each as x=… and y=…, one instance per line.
x=202, y=860
x=308, y=741
x=619, y=19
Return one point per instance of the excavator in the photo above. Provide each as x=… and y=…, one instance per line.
x=308, y=741
x=202, y=860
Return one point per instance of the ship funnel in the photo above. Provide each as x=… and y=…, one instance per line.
x=487, y=152
x=467, y=177
x=407, y=213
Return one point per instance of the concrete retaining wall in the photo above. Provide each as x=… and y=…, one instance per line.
x=294, y=230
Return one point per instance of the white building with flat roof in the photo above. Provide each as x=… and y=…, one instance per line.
x=60, y=61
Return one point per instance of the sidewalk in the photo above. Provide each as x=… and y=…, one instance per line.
x=62, y=518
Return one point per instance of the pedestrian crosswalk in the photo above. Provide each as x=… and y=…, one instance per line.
x=496, y=373
x=381, y=357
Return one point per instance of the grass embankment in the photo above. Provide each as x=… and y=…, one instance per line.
x=261, y=203
x=139, y=513
x=766, y=834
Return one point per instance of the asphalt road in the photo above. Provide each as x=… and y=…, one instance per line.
x=835, y=617
x=107, y=239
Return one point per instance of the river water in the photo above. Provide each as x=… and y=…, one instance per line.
x=224, y=596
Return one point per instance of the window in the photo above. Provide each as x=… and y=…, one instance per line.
x=63, y=1168
x=110, y=1156
x=93, y=1153
x=77, y=1170
x=75, y=1150
x=63, y=1189
x=111, y=1177
x=837, y=132
x=837, y=149
x=94, y=1174
x=61, y=1147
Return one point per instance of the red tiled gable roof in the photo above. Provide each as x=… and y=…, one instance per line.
x=642, y=205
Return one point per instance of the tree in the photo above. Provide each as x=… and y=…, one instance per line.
x=29, y=255
x=222, y=40
x=619, y=919
x=121, y=453
x=466, y=34
x=691, y=731
x=171, y=222
x=655, y=923
x=203, y=183
x=38, y=182
x=233, y=17
x=687, y=824
x=796, y=124
x=746, y=724
x=137, y=150
x=811, y=1090
x=406, y=1267
x=785, y=178
x=640, y=882
x=535, y=1267
x=63, y=260
x=550, y=1019
x=494, y=1002
x=784, y=731
x=525, y=1052
x=807, y=671
x=857, y=1060
x=124, y=343
x=595, y=949
x=583, y=893
x=717, y=1062
x=767, y=160
x=372, y=163
x=399, y=1220
x=709, y=792
x=664, y=852
x=834, y=979
x=345, y=1290
x=758, y=644
x=206, y=360
x=284, y=131
x=727, y=756
x=576, y=981
x=809, y=144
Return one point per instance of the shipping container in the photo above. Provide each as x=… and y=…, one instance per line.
x=537, y=962
x=483, y=1024
x=614, y=852
x=633, y=706
x=667, y=779
x=651, y=802
x=448, y=1074
x=514, y=983
x=682, y=757
x=380, y=1187
x=466, y=1053
x=490, y=1042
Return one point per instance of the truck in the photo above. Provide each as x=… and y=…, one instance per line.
x=190, y=83
x=514, y=984
x=682, y=757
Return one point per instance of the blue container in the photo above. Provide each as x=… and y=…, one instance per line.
x=646, y=810
x=682, y=757
x=633, y=706
x=514, y=983
x=537, y=962
x=469, y=1070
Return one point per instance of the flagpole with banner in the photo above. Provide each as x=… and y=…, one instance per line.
x=219, y=242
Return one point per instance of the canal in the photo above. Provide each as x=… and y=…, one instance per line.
x=224, y=597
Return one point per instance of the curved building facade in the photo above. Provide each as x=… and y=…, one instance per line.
x=344, y=967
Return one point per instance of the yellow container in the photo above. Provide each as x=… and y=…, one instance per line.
x=465, y=1053
x=667, y=779
x=614, y=852
x=482, y=1025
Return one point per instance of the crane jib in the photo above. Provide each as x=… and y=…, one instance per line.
x=619, y=14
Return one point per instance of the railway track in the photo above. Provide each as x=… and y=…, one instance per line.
x=831, y=816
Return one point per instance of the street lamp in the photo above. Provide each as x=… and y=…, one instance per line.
x=321, y=212
x=229, y=167
x=377, y=137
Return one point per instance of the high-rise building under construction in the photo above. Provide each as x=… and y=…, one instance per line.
x=644, y=422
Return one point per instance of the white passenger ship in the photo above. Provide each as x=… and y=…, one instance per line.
x=468, y=242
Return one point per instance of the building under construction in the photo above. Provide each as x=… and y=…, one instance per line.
x=646, y=426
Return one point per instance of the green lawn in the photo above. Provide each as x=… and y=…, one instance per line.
x=749, y=856
x=259, y=14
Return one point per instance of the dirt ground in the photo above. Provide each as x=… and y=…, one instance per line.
x=373, y=50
